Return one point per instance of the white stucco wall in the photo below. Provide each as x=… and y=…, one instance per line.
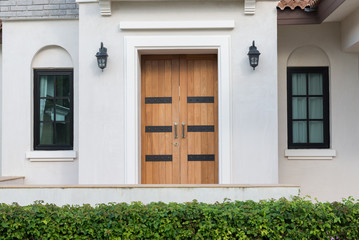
x=350, y=32
x=325, y=179
x=254, y=156
x=0, y=105
x=99, y=97
x=22, y=40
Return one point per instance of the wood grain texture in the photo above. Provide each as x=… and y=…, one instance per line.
x=179, y=77
x=159, y=76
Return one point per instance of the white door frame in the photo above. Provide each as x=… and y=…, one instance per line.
x=132, y=77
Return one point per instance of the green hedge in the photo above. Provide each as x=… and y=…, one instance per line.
x=281, y=219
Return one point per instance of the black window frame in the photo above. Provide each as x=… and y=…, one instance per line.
x=51, y=72
x=307, y=70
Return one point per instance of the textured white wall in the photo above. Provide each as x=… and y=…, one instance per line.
x=51, y=57
x=0, y=108
x=350, y=32
x=99, y=96
x=254, y=112
x=325, y=179
x=17, y=101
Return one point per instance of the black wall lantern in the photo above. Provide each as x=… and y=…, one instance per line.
x=102, y=57
x=253, y=55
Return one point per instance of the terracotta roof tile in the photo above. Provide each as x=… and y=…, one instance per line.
x=292, y=4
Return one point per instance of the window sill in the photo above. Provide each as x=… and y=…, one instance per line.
x=51, y=156
x=310, y=154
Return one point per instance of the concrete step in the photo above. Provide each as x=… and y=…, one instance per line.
x=12, y=180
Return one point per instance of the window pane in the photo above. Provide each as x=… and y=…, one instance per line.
x=316, y=108
x=46, y=133
x=299, y=107
x=63, y=86
x=299, y=84
x=63, y=133
x=47, y=86
x=316, y=133
x=315, y=83
x=299, y=132
x=62, y=110
x=46, y=110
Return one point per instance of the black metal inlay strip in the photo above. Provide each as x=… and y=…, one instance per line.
x=154, y=100
x=200, y=99
x=158, y=158
x=158, y=128
x=200, y=128
x=208, y=157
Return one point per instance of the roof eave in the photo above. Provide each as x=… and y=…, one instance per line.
x=299, y=16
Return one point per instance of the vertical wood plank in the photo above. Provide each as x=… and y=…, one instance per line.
x=168, y=119
x=215, y=116
x=175, y=81
x=185, y=79
x=194, y=75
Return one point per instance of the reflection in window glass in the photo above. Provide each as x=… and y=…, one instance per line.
x=47, y=88
x=53, y=108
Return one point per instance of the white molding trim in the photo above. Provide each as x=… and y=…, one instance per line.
x=310, y=154
x=86, y=1
x=133, y=46
x=51, y=156
x=132, y=25
x=105, y=7
x=249, y=7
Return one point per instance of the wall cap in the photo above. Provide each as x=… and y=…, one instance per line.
x=51, y=156
x=310, y=154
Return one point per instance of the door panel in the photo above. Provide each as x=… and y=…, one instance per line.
x=199, y=150
x=159, y=103
x=179, y=89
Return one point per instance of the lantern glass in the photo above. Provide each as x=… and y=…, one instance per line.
x=101, y=62
x=253, y=61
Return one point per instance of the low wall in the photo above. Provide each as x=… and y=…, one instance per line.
x=81, y=194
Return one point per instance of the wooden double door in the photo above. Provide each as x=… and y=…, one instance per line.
x=179, y=119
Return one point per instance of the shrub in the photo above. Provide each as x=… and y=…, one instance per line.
x=273, y=219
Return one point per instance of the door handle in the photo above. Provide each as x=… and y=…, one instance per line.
x=183, y=130
x=176, y=131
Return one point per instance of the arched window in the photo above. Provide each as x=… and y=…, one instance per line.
x=53, y=100
x=308, y=99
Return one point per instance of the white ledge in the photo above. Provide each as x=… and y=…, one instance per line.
x=132, y=25
x=310, y=154
x=87, y=1
x=51, y=156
